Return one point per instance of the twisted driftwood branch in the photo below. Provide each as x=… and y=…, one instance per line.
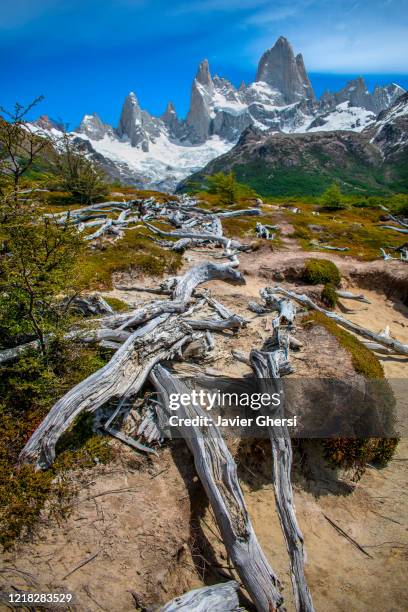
x=268, y=366
x=395, y=345
x=127, y=370
x=215, y=598
x=217, y=472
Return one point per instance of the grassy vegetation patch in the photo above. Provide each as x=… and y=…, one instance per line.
x=357, y=452
x=329, y=296
x=132, y=252
x=358, y=229
x=28, y=389
x=364, y=361
x=115, y=303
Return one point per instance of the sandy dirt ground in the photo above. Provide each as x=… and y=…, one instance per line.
x=145, y=530
x=375, y=511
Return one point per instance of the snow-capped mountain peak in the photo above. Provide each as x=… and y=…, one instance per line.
x=153, y=151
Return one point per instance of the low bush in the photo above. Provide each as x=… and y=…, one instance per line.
x=28, y=389
x=321, y=271
x=333, y=199
x=355, y=453
x=329, y=296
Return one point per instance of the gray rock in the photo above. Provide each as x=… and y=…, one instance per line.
x=199, y=115
x=282, y=71
x=357, y=94
x=130, y=123
x=93, y=127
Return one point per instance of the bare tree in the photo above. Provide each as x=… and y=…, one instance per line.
x=20, y=145
x=76, y=173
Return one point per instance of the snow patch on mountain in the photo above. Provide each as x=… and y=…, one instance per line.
x=166, y=163
x=343, y=117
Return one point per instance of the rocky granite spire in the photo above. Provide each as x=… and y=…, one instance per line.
x=356, y=93
x=310, y=95
x=199, y=115
x=171, y=121
x=203, y=75
x=284, y=72
x=93, y=127
x=169, y=115
x=130, y=123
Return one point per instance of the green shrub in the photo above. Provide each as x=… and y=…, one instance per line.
x=303, y=233
x=29, y=387
x=333, y=199
x=115, y=303
x=321, y=271
x=227, y=188
x=329, y=296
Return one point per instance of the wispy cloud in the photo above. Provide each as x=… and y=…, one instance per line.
x=216, y=6
x=279, y=12
x=368, y=51
x=333, y=35
x=19, y=12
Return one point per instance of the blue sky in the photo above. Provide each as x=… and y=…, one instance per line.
x=84, y=56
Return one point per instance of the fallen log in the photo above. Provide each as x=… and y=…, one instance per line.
x=232, y=322
x=181, y=245
x=215, y=598
x=158, y=290
x=269, y=365
x=217, y=472
x=102, y=230
x=377, y=348
x=327, y=247
x=397, y=347
x=125, y=373
x=202, y=236
x=104, y=335
x=399, y=221
x=352, y=296
x=286, y=308
x=11, y=354
x=396, y=229
x=88, y=305
x=248, y=212
x=262, y=231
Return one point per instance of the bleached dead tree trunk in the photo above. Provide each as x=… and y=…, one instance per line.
x=217, y=472
x=269, y=365
x=395, y=345
x=215, y=598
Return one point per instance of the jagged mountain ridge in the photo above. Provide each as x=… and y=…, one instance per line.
x=160, y=151
x=274, y=163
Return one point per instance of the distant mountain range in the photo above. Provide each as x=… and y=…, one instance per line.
x=374, y=160
x=160, y=151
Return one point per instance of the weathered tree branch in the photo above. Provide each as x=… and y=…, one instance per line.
x=217, y=472
x=215, y=598
x=397, y=347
